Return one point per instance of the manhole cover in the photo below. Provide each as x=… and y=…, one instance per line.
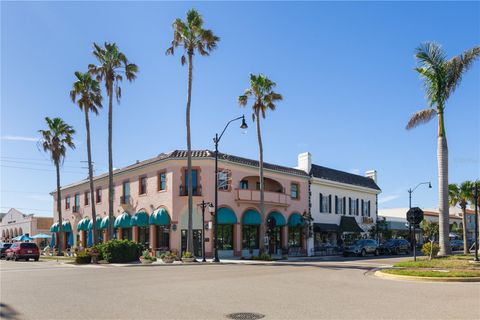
x=245, y=316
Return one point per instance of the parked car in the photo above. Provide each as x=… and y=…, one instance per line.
x=395, y=246
x=3, y=249
x=456, y=245
x=362, y=248
x=23, y=250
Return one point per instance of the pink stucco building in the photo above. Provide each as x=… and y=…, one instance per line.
x=150, y=205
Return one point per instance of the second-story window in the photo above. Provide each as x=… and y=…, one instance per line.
x=244, y=184
x=162, y=181
x=223, y=180
x=86, y=198
x=339, y=205
x=294, y=191
x=325, y=203
x=195, y=188
x=126, y=192
x=142, y=185
x=353, y=206
x=99, y=195
x=76, y=206
x=67, y=202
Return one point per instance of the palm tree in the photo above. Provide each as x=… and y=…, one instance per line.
x=55, y=141
x=261, y=90
x=191, y=35
x=113, y=66
x=441, y=77
x=461, y=195
x=89, y=100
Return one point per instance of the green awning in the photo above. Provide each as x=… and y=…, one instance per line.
x=349, y=224
x=104, y=223
x=140, y=219
x=83, y=224
x=160, y=217
x=325, y=227
x=66, y=226
x=252, y=218
x=226, y=216
x=279, y=218
x=54, y=227
x=98, y=222
x=122, y=221
x=295, y=220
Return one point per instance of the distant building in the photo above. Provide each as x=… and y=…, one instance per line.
x=397, y=222
x=15, y=223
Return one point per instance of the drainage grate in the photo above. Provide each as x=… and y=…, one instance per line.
x=245, y=316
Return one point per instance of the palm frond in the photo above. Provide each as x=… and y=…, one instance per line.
x=457, y=66
x=421, y=117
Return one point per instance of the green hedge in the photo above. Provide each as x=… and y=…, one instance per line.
x=117, y=251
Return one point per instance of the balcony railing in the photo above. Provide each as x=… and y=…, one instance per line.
x=196, y=191
x=124, y=199
x=278, y=198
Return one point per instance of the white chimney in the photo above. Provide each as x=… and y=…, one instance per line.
x=372, y=174
x=305, y=161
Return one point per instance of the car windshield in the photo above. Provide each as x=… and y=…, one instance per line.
x=28, y=245
x=359, y=242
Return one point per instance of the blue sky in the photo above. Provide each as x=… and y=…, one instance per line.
x=345, y=71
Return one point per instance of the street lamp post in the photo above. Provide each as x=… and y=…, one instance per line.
x=475, y=196
x=216, y=140
x=414, y=240
x=203, y=205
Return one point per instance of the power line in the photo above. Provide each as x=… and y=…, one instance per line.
x=39, y=164
x=44, y=210
x=38, y=159
x=17, y=191
x=38, y=169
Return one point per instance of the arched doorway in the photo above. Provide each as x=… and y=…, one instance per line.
x=275, y=223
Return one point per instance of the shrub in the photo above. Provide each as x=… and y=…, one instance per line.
x=83, y=258
x=263, y=256
x=430, y=251
x=100, y=248
x=168, y=255
x=147, y=256
x=187, y=254
x=115, y=251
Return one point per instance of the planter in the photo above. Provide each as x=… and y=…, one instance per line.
x=146, y=261
x=94, y=257
x=192, y=259
x=168, y=260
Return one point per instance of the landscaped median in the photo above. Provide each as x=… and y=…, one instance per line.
x=451, y=268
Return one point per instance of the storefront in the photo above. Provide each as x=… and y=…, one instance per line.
x=251, y=221
x=275, y=224
x=160, y=227
x=123, y=224
x=226, y=221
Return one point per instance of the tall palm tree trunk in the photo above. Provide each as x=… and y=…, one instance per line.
x=262, y=186
x=189, y=157
x=59, y=210
x=443, y=206
x=464, y=222
x=90, y=176
x=110, y=164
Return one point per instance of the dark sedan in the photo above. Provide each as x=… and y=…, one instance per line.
x=395, y=246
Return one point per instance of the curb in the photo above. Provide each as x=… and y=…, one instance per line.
x=381, y=274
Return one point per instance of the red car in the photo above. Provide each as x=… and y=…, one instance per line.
x=23, y=250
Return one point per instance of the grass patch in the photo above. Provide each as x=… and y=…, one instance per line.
x=434, y=273
x=451, y=262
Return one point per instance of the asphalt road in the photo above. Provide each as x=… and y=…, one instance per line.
x=340, y=289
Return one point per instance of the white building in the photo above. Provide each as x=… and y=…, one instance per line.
x=343, y=205
x=15, y=223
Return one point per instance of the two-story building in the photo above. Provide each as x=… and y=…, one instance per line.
x=151, y=207
x=343, y=205
x=16, y=223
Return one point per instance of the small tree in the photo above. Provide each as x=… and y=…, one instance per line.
x=430, y=231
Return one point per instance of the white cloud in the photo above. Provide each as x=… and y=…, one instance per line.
x=385, y=199
x=19, y=138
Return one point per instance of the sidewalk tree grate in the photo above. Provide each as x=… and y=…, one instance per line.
x=245, y=316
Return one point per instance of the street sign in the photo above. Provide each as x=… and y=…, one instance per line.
x=415, y=215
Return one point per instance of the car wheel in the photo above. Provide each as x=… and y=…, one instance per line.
x=345, y=254
x=27, y=259
x=376, y=252
x=36, y=259
x=363, y=253
x=15, y=258
x=407, y=251
x=397, y=251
